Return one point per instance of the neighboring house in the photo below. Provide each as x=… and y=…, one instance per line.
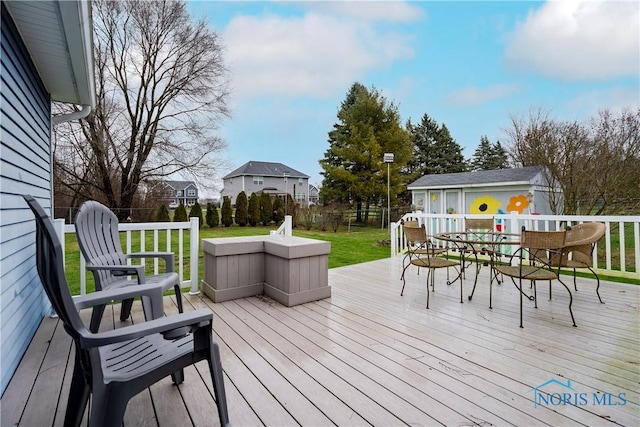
x=273, y=178
x=522, y=190
x=314, y=194
x=185, y=192
x=46, y=56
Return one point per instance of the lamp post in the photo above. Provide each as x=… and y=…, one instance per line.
x=286, y=187
x=388, y=159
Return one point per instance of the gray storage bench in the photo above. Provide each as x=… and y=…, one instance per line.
x=291, y=270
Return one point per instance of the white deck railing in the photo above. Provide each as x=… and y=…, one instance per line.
x=286, y=227
x=618, y=228
x=170, y=228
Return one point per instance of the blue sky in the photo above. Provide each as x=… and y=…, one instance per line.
x=467, y=64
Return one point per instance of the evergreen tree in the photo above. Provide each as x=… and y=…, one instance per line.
x=241, y=209
x=500, y=157
x=489, y=156
x=212, y=215
x=265, y=208
x=368, y=126
x=227, y=212
x=278, y=210
x=162, y=214
x=434, y=150
x=196, y=212
x=254, y=209
x=180, y=215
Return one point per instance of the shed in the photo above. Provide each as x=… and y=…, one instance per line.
x=500, y=191
x=47, y=55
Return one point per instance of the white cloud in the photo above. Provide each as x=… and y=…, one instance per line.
x=472, y=96
x=312, y=55
x=578, y=40
x=388, y=11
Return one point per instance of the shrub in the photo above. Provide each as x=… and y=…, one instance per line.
x=241, y=209
x=254, y=209
x=227, y=212
x=180, y=215
x=196, y=212
x=308, y=216
x=212, y=215
x=162, y=214
x=278, y=210
x=265, y=208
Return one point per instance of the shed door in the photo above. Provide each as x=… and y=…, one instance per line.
x=452, y=201
x=435, y=202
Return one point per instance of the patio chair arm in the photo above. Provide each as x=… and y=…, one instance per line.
x=168, y=257
x=193, y=320
x=153, y=291
x=119, y=270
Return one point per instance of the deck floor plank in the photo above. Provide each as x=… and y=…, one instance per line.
x=20, y=386
x=370, y=356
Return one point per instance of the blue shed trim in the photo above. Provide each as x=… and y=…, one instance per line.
x=25, y=167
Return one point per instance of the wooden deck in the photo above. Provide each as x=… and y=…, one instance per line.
x=369, y=356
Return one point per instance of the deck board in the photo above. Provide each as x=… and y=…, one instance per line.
x=370, y=356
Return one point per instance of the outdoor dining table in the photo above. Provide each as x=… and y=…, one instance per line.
x=479, y=242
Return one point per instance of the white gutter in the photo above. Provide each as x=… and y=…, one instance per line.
x=62, y=118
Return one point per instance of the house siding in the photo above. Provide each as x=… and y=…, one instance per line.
x=25, y=167
x=233, y=186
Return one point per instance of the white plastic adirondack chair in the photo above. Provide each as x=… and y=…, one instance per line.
x=98, y=238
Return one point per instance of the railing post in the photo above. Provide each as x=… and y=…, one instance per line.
x=194, y=242
x=394, y=238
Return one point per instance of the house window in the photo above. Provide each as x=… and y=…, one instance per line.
x=258, y=180
x=179, y=193
x=191, y=192
x=300, y=181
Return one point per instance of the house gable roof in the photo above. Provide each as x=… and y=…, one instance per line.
x=525, y=175
x=254, y=168
x=180, y=185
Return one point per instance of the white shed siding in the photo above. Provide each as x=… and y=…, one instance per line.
x=25, y=167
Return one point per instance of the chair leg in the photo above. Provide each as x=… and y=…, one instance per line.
x=78, y=397
x=178, y=291
x=125, y=311
x=429, y=274
x=215, y=367
x=109, y=408
x=598, y=285
x=521, y=295
x=570, y=301
x=96, y=318
x=178, y=377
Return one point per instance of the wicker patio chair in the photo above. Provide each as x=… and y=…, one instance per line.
x=97, y=232
x=418, y=244
x=426, y=255
x=581, y=242
x=114, y=366
x=546, y=248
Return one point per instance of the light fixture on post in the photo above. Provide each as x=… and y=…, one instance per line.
x=388, y=159
x=285, y=174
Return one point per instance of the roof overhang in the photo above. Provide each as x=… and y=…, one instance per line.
x=474, y=185
x=59, y=38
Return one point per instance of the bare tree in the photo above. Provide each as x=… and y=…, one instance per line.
x=162, y=90
x=594, y=164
